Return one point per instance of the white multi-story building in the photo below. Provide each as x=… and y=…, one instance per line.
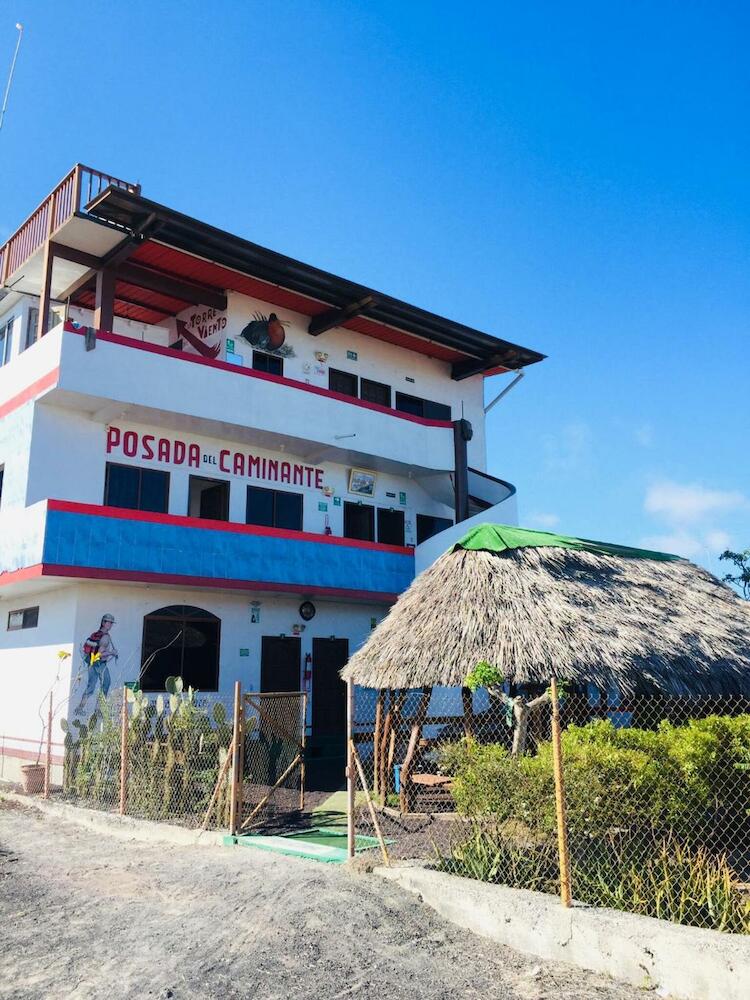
x=210, y=447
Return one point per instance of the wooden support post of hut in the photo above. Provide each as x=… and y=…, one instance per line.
x=377, y=734
x=467, y=699
x=381, y=754
x=407, y=786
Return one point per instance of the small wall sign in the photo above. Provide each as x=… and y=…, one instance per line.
x=244, y=652
x=337, y=501
x=351, y=355
x=255, y=613
x=322, y=505
x=402, y=497
x=230, y=344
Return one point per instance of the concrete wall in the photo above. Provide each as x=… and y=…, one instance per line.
x=375, y=359
x=87, y=446
x=656, y=955
x=29, y=669
x=29, y=665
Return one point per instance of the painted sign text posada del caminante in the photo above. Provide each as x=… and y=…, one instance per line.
x=168, y=451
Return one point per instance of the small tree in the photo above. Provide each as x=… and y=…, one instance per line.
x=519, y=709
x=740, y=579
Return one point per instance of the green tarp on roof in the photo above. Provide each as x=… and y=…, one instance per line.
x=502, y=537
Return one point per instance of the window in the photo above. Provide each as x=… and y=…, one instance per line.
x=180, y=641
x=375, y=392
x=135, y=488
x=390, y=526
x=422, y=407
x=24, y=618
x=274, y=508
x=427, y=526
x=208, y=498
x=263, y=362
x=342, y=382
x=359, y=521
x=6, y=341
x=32, y=319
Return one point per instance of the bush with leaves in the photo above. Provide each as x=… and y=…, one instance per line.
x=678, y=779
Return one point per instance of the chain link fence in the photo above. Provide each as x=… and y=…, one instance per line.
x=655, y=795
x=173, y=749
x=273, y=782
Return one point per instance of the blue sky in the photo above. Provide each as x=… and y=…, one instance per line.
x=573, y=177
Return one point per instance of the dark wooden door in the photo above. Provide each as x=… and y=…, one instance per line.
x=328, y=690
x=280, y=663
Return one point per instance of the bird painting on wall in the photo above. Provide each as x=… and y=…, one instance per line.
x=267, y=334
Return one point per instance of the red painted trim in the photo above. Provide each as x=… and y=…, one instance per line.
x=316, y=390
x=47, y=381
x=177, y=580
x=233, y=527
x=27, y=739
x=29, y=755
x=19, y=575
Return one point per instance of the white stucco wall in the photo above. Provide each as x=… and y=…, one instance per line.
x=30, y=668
x=80, y=474
x=376, y=360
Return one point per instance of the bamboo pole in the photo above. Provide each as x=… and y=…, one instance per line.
x=124, y=752
x=381, y=761
x=48, y=760
x=220, y=781
x=350, y=786
x=236, y=760
x=562, y=822
x=270, y=792
x=302, y=768
x=377, y=733
x=370, y=806
x=406, y=794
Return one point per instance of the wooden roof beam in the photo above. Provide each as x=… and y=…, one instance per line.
x=337, y=317
x=175, y=288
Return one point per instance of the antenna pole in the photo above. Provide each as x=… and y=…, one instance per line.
x=10, y=75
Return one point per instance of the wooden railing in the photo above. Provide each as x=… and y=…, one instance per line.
x=70, y=196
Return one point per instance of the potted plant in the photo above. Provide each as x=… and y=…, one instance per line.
x=32, y=775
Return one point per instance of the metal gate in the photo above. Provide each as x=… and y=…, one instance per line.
x=273, y=765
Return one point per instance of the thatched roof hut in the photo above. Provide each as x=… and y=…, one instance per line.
x=534, y=603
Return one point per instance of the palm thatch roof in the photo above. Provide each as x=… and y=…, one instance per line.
x=534, y=604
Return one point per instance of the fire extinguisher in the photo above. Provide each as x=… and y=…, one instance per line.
x=308, y=669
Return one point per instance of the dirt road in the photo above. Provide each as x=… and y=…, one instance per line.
x=85, y=916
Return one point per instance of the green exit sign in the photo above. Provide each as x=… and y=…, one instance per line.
x=230, y=345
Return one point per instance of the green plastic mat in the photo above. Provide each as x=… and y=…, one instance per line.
x=327, y=844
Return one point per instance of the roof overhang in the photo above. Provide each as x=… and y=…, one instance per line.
x=194, y=251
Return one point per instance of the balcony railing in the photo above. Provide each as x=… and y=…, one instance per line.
x=73, y=192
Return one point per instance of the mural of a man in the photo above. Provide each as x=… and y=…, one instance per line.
x=96, y=652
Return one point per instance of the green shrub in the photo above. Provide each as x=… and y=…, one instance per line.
x=682, y=780
x=651, y=815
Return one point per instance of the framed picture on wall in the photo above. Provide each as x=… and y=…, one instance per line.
x=362, y=482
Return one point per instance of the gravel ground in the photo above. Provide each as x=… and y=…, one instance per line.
x=92, y=917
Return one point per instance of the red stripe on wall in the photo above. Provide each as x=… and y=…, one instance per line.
x=232, y=527
x=169, y=579
x=47, y=381
x=19, y=575
x=30, y=755
x=166, y=352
